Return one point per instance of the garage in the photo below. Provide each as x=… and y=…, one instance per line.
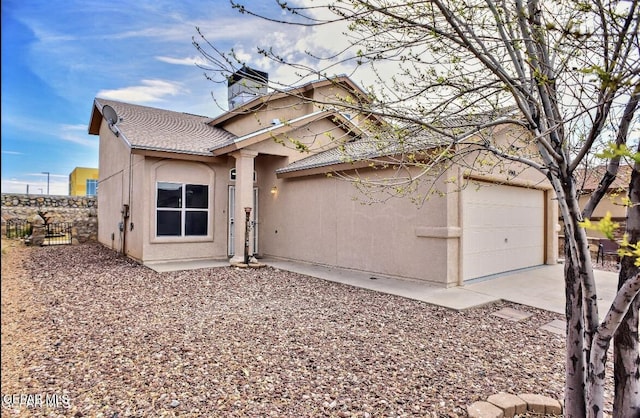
x=503, y=229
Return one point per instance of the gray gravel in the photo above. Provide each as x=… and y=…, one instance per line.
x=121, y=340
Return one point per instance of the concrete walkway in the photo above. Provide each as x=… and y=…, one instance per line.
x=540, y=287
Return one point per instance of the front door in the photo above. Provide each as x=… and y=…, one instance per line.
x=253, y=221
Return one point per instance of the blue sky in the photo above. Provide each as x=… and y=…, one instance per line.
x=57, y=56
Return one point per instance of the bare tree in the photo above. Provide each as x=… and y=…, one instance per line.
x=568, y=74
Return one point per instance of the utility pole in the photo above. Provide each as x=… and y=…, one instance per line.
x=47, y=173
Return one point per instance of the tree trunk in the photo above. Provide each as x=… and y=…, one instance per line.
x=575, y=360
x=581, y=309
x=626, y=355
x=626, y=362
x=623, y=301
x=574, y=396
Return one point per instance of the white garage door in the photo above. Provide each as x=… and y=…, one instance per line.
x=503, y=229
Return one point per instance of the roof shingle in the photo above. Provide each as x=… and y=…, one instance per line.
x=165, y=130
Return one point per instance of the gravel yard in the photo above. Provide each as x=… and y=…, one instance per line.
x=112, y=338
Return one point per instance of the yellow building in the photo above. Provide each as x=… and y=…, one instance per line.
x=83, y=181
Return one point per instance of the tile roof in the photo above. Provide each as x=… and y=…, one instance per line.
x=364, y=149
x=367, y=148
x=592, y=176
x=164, y=130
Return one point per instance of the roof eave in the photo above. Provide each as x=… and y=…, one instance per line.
x=323, y=169
x=334, y=166
x=176, y=154
x=95, y=119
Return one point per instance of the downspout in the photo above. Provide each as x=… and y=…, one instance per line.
x=461, y=226
x=126, y=208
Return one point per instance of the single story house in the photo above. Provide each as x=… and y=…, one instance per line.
x=177, y=186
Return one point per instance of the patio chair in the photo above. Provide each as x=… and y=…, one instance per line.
x=607, y=247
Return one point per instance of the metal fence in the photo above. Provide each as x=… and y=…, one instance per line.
x=58, y=233
x=18, y=228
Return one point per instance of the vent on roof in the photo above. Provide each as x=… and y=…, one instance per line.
x=246, y=84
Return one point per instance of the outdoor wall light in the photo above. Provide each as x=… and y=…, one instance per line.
x=274, y=190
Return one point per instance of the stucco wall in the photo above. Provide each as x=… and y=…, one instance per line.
x=319, y=219
x=130, y=179
x=113, y=168
x=171, y=248
x=283, y=108
x=80, y=210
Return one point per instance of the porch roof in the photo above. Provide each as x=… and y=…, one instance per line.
x=374, y=147
x=366, y=149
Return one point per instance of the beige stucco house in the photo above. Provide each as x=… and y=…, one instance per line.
x=614, y=200
x=174, y=186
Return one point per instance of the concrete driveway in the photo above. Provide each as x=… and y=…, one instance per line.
x=541, y=287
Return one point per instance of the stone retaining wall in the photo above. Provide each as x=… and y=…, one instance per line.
x=82, y=211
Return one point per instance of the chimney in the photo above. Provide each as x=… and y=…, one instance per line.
x=246, y=84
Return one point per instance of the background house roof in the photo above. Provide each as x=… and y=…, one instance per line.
x=588, y=180
x=163, y=130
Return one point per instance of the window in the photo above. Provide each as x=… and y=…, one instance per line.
x=182, y=209
x=232, y=175
x=92, y=187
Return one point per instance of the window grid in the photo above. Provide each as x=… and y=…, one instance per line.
x=181, y=202
x=92, y=187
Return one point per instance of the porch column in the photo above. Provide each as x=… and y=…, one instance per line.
x=244, y=199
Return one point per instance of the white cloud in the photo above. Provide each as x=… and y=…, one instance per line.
x=36, y=183
x=12, y=152
x=298, y=45
x=77, y=134
x=189, y=61
x=149, y=91
x=165, y=33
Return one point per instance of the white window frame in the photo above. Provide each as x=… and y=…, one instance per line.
x=93, y=181
x=183, y=211
x=232, y=175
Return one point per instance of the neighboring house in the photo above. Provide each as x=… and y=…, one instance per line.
x=174, y=186
x=613, y=201
x=83, y=181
